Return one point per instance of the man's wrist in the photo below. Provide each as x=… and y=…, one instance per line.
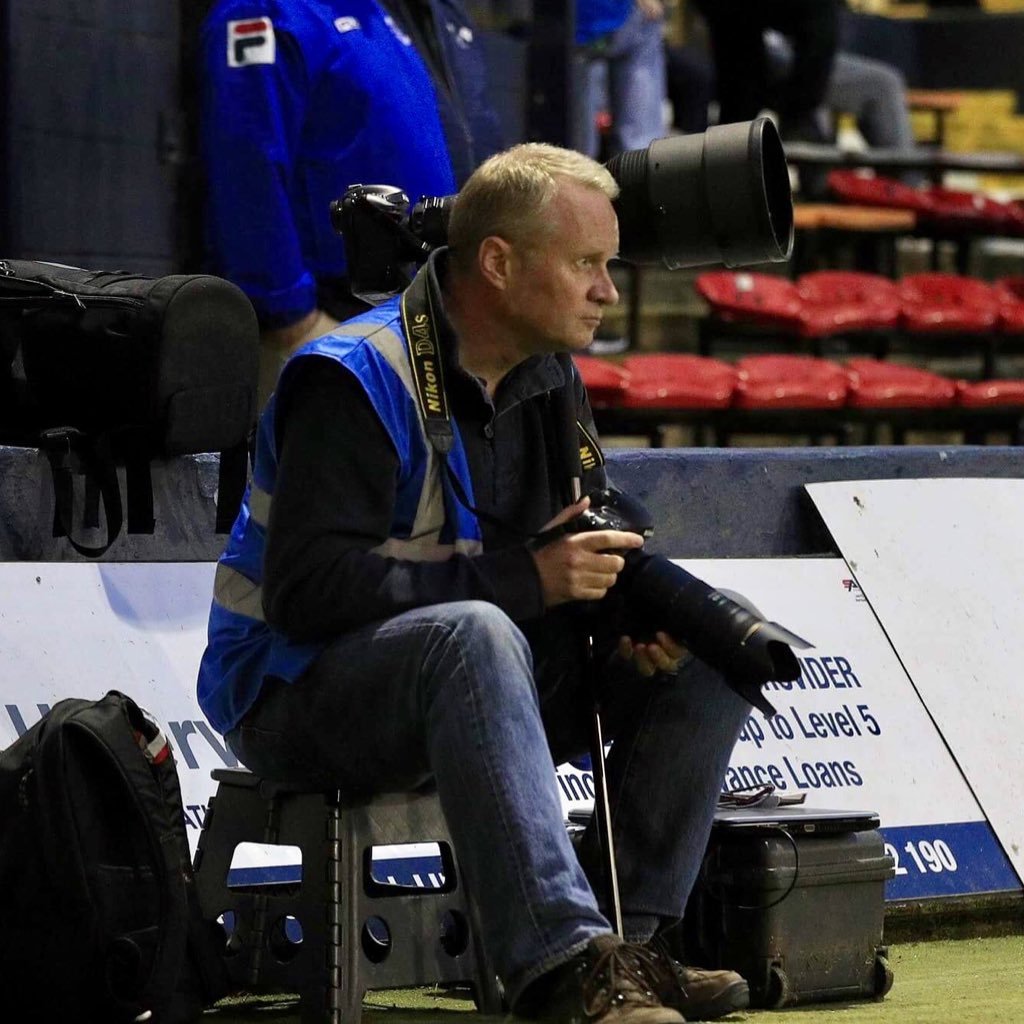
x=291, y=336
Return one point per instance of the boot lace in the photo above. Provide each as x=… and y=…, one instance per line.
x=668, y=973
x=622, y=974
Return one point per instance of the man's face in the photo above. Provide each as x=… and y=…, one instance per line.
x=560, y=283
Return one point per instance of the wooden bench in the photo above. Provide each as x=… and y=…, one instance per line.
x=870, y=232
x=940, y=104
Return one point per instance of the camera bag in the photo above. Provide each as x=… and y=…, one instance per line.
x=99, y=919
x=798, y=910
x=108, y=369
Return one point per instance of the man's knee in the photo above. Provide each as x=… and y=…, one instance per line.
x=484, y=641
x=703, y=693
x=485, y=623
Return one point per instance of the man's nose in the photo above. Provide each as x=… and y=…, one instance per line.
x=604, y=290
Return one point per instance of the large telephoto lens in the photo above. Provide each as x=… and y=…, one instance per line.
x=729, y=636
x=719, y=197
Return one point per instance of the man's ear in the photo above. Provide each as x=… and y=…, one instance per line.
x=494, y=259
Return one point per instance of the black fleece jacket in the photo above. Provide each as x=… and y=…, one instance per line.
x=336, y=488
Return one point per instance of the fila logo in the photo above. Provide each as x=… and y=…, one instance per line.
x=251, y=42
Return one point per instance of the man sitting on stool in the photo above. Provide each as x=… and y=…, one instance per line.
x=384, y=614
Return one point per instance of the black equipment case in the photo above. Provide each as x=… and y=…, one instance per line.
x=796, y=908
x=104, y=369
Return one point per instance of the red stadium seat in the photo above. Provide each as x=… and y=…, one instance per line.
x=838, y=300
x=606, y=382
x=984, y=394
x=991, y=405
x=675, y=381
x=789, y=382
x=874, y=384
x=877, y=190
x=974, y=212
x=752, y=298
x=947, y=303
x=1010, y=296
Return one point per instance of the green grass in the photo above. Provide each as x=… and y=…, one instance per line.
x=967, y=981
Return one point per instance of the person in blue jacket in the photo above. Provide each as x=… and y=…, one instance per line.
x=300, y=99
x=398, y=602
x=621, y=69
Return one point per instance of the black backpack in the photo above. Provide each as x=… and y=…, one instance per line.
x=99, y=920
x=104, y=369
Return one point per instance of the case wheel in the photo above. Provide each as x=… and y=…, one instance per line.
x=777, y=992
x=883, y=977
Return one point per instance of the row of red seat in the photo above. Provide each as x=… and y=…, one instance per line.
x=828, y=302
x=689, y=382
x=941, y=209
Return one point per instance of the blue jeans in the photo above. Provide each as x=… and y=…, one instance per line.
x=627, y=77
x=449, y=691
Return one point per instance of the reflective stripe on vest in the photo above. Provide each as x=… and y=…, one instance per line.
x=237, y=593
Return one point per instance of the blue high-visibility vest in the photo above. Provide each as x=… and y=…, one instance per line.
x=427, y=523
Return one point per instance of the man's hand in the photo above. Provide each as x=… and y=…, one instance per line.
x=278, y=343
x=287, y=339
x=581, y=566
x=664, y=654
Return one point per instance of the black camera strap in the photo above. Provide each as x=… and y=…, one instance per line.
x=424, y=343
x=577, y=448
x=425, y=356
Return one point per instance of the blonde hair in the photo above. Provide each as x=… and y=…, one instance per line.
x=508, y=193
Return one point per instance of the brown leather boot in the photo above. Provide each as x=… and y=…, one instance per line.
x=611, y=982
x=698, y=994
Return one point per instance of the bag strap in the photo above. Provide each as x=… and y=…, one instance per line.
x=67, y=449
x=138, y=479
x=232, y=475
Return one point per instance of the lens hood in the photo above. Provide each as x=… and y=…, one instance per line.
x=719, y=197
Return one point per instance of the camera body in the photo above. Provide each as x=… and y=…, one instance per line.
x=612, y=509
x=721, y=628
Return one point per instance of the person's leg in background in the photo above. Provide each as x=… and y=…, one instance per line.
x=590, y=98
x=741, y=73
x=812, y=27
x=673, y=737
x=636, y=82
x=876, y=95
x=690, y=83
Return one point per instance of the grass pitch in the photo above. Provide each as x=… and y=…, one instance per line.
x=966, y=981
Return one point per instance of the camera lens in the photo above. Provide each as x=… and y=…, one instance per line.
x=722, y=196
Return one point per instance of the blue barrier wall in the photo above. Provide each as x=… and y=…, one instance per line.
x=184, y=505
x=750, y=502
x=707, y=502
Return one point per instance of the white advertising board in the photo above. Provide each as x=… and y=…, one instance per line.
x=71, y=629
x=942, y=564
x=860, y=737
x=851, y=733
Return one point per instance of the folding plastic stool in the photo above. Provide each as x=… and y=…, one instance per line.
x=357, y=934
